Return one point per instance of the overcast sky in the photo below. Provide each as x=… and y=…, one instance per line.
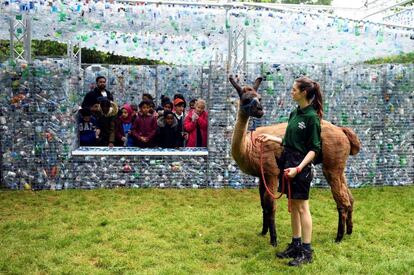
x=348, y=3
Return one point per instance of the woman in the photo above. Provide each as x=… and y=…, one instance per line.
x=302, y=143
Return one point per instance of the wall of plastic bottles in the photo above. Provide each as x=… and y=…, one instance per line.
x=197, y=34
x=38, y=103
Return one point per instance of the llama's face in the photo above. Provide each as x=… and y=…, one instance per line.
x=251, y=102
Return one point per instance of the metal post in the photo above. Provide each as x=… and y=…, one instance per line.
x=21, y=34
x=11, y=30
x=28, y=39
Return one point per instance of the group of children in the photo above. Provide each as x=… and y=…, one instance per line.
x=102, y=123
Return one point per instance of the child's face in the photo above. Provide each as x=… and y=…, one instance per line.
x=179, y=109
x=124, y=113
x=192, y=105
x=87, y=118
x=145, y=109
x=167, y=107
x=199, y=108
x=169, y=119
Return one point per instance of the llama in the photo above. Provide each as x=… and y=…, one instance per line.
x=337, y=144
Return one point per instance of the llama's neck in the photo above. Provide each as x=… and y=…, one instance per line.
x=238, y=144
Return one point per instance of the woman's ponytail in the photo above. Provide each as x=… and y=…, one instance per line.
x=317, y=101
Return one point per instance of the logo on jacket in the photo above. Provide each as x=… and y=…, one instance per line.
x=301, y=125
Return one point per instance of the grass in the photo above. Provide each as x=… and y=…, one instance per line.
x=153, y=231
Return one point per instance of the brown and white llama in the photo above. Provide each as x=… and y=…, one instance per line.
x=337, y=144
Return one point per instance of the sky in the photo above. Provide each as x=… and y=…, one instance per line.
x=348, y=3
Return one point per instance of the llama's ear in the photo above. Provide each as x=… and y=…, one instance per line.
x=235, y=85
x=257, y=83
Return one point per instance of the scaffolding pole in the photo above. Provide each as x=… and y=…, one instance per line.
x=21, y=38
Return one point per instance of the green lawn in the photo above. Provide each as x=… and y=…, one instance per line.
x=155, y=231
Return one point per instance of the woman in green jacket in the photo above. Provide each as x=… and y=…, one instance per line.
x=301, y=145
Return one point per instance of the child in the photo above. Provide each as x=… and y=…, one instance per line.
x=148, y=97
x=167, y=105
x=168, y=134
x=164, y=99
x=123, y=126
x=144, y=127
x=180, y=96
x=87, y=128
x=106, y=112
x=196, y=124
x=192, y=103
x=179, y=107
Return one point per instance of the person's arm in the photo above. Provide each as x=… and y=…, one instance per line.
x=111, y=133
x=203, y=121
x=189, y=125
x=109, y=95
x=178, y=138
x=118, y=130
x=86, y=103
x=268, y=137
x=153, y=130
x=135, y=131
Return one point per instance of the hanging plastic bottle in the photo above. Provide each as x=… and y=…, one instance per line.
x=227, y=23
x=380, y=36
x=357, y=30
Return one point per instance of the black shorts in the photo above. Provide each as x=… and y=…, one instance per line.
x=300, y=184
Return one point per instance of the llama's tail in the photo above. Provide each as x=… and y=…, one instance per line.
x=353, y=139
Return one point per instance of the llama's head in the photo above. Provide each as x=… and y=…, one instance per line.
x=250, y=99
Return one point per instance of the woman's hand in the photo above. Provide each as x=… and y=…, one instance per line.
x=291, y=172
x=267, y=137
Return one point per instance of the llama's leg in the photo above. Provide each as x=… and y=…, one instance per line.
x=265, y=228
x=340, y=193
x=349, y=222
x=270, y=209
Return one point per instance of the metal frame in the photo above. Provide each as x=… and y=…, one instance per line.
x=237, y=50
x=21, y=33
x=382, y=10
x=73, y=55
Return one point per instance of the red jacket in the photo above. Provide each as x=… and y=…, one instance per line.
x=190, y=126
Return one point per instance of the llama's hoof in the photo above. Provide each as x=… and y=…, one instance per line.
x=338, y=239
x=273, y=243
x=349, y=231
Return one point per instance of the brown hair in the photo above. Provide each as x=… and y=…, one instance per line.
x=314, y=93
